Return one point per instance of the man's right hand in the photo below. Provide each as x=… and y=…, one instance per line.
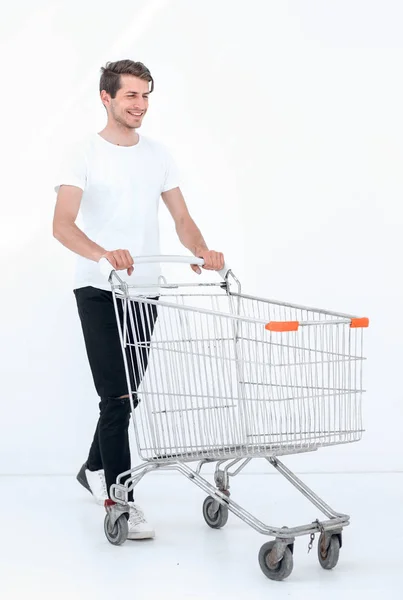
x=120, y=260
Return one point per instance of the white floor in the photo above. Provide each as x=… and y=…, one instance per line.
x=52, y=543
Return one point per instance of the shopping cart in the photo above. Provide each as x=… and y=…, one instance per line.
x=225, y=377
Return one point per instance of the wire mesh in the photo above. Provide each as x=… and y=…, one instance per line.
x=214, y=383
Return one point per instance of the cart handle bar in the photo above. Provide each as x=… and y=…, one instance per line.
x=107, y=269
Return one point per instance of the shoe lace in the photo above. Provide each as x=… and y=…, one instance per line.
x=103, y=482
x=136, y=515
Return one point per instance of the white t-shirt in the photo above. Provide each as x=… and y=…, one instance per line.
x=121, y=187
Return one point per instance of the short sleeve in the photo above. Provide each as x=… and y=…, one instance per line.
x=72, y=169
x=171, y=173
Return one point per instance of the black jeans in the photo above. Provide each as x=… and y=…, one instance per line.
x=110, y=448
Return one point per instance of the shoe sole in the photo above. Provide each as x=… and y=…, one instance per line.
x=141, y=536
x=82, y=478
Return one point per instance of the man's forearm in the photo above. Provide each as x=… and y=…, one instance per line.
x=75, y=240
x=190, y=236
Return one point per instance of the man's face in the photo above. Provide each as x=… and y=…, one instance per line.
x=130, y=103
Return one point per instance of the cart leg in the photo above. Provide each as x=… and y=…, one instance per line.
x=221, y=478
x=305, y=490
x=336, y=522
x=120, y=491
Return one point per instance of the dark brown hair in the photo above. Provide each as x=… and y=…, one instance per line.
x=110, y=78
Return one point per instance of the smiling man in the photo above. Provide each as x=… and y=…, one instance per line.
x=116, y=178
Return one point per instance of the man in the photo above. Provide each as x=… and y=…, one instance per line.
x=116, y=178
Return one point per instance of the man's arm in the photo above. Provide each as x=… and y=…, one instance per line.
x=67, y=233
x=64, y=228
x=188, y=232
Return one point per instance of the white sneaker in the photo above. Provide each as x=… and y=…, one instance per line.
x=94, y=482
x=139, y=529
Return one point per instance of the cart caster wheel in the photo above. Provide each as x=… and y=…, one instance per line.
x=329, y=558
x=215, y=518
x=116, y=535
x=282, y=569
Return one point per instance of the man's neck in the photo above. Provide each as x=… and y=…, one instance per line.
x=120, y=136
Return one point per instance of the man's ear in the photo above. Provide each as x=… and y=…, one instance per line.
x=105, y=98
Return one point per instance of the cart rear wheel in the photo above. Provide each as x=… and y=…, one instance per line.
x=282, y=569
x=117, y=534
x=329, y=558
x=215, y=517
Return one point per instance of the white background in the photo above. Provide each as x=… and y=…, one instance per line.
x=285, y=118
